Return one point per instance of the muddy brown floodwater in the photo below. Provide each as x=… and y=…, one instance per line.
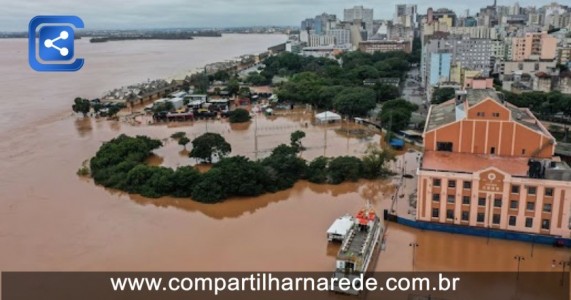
x=51, y=219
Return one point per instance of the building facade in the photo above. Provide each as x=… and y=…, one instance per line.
x=341, y=36
x=490, y=164
x=525, y=67
x=535, y=46
x=360, y=13
x=372, y=46
x=439, y=67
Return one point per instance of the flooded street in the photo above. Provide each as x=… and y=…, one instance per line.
x=51, y=219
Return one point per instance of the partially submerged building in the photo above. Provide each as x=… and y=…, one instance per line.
x=490, y=164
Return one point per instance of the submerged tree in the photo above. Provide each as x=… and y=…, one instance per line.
x=375, y=160
x=178, y=135
x=183, y=141
x=81, y=105
x=208, y=145
x=239, y=115
x=295, y=139
x=344, y=168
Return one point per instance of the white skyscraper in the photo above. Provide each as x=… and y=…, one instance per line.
x=360, y=13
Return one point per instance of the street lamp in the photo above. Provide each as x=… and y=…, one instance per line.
x=519, y=259
x=564, y=264
x=414, y=246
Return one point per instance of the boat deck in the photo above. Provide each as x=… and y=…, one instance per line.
x=356, y=242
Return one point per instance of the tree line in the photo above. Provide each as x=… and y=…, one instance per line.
x=336, y=84
x=120, y=164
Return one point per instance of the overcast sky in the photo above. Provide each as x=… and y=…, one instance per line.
x=114, y=14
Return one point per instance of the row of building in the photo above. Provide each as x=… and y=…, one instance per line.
x=528, y=49
x=357, y=30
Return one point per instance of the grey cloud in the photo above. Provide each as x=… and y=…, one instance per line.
x=107, y=14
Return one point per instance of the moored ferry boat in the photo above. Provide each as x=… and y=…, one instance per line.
x=359, y=247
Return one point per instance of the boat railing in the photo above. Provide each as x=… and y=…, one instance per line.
x=348, y=240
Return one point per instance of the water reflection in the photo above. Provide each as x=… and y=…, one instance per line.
x=376, y=191
x=238, y=206
x=83, y=126
x=115, y=125
x=240, y=126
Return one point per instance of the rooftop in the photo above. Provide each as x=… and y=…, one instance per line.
x=468, y=162
x=563, y=149
x=441, y=114
x=447, y=112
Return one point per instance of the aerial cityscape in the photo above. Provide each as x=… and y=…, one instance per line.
x=347, y=146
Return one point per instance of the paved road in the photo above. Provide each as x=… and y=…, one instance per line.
x=411, y=90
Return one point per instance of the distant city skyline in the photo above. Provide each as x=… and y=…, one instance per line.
x=144, y=14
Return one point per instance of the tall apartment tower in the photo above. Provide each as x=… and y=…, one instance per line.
x=365, y=15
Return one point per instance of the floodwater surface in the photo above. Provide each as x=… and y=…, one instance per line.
x=51, y=219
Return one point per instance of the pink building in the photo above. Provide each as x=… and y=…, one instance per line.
x=479, y=83
x=490, y=164
x=534, y=46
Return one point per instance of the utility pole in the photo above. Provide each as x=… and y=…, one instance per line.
x=564, y=264
x=325, y=135
x=256, y=136
x=532, y=244
x=414, y=245
x=519, y=260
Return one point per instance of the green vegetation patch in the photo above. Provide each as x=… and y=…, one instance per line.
x=119, y=164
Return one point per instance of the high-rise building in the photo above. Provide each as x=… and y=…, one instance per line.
x=534, y=46
x=307, y=24
x=490, y=164
x=365, y=15
x=321, y=40
x=406, y=15
x=445, y=13
x=341, y=36
x=372, y=46
x=324, y=23
x=471, y=53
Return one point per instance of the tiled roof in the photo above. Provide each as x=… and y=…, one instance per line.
x=446, y=112
x=468, y=162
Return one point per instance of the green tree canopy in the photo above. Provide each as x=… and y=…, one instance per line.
x=395, y=114
x=81, y=105
x=257, y=79
x=184, y=180
x=242, y=176
x=295, y=140
x=344, y=168
x=183, y=141
x=177, y=135
x=386, y=92
x=211, y=188
x=220, y=75
x=317, y=170
x=208, y=146
x=365, y=72
x=283, y=167
x=355, y=101
x=239, y=115
x=233, y=87
x=442, y=95
x=374, y=162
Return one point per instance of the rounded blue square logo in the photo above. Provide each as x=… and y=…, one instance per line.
x=56, y=43
x=51, y=43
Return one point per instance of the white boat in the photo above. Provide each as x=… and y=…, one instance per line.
x=338, y=230
x=360, y=247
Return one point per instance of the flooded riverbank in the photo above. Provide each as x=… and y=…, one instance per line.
x=51, y=219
